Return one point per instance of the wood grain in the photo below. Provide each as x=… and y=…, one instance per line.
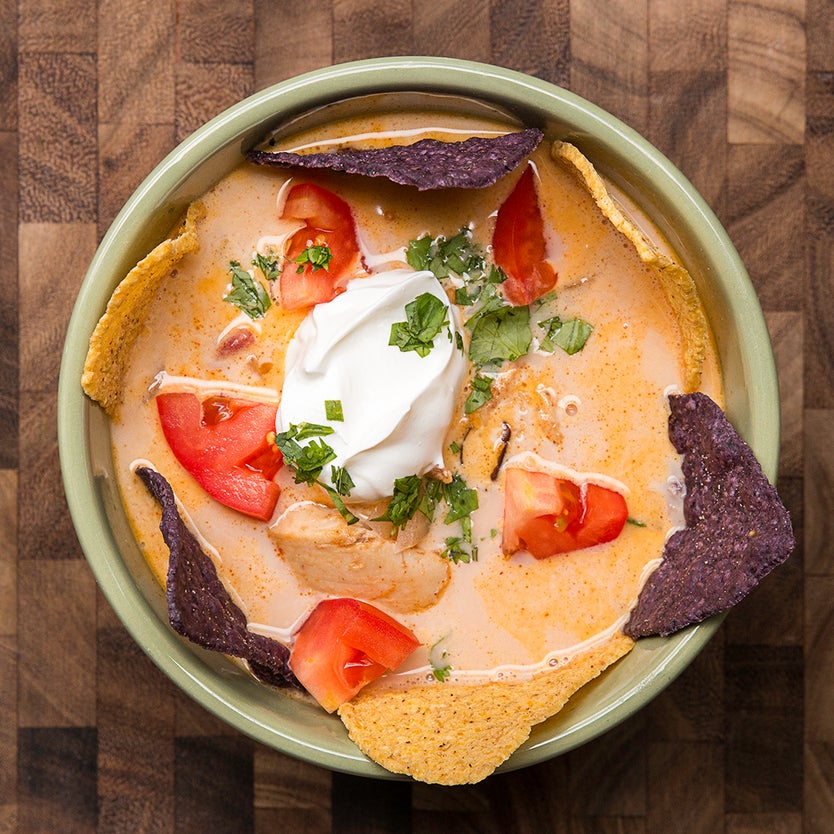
x=738, y=93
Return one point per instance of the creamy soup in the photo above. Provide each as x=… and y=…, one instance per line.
x=598, y=414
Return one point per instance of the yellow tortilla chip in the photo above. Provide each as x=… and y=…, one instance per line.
x=677, y=283
x=456, y=734
x=122, y=321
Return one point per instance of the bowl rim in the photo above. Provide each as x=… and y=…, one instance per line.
x=234, y=127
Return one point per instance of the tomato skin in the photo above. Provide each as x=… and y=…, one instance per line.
x=222, y=443
x=519, y=246
x=546, y=515
x=344, y=645
x=327, y=222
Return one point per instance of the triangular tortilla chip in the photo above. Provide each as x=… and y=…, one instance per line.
x=456, y=734
x=677, y=283
x=116, y=331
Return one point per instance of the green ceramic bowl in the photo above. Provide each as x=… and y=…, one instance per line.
x=626, y=159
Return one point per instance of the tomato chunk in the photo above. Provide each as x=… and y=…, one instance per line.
x=327, y=222
x=222, y=443
x=519, y=246
x=344, y=645
x=546, y=515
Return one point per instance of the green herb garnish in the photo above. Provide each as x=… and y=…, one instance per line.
x=426, y=316
x=635, y=522
x=481, y=393
x=404, y=502
x=570, y=335
x=307, y=462
x=342, y=482
x=500, y=334
x=318, y=256
x=413, y=493
x=439, y=669
x=270, y=267
x=461, y=499
x=333, y=411
x=458, y=255
x=457, y=553
x=247, y=294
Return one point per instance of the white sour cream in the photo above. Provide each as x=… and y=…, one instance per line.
x=397, y=405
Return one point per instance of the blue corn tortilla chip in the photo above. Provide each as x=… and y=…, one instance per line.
x=737, y=529
x=199, y=606
x=428, y=164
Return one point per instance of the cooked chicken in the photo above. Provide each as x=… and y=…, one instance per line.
x=354, y=560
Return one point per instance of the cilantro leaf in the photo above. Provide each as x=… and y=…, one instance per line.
x=340, y=505
x=458, y=255
x=247, y=294
x=426, y=316
x=439, y=669
x=342, y=482
x=500, y=334
x=570, y=335
x=404, y=501
x=480, y=394
x=333, y=411
x=307, y=462
x=462, y=500
x=318, y=256
x=432, y=494
x=270, y=267
x=457, y=553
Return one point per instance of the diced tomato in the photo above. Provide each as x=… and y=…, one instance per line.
x=327, y=222
x=545, y=515
x=344, y=645
x=222, y=443
x=519, y=246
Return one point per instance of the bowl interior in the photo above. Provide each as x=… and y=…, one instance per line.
x=622, y=156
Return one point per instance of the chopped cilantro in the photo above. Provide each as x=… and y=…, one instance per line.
x=413, y=493
x=269, y=266
x=247, y=294
x=570, y=335
x=439, y=669
x=457, y=255
x=318, y=256
x=432, y=493
x=307, y=462
x=333, y=411
x=461, y=499
x=342, y=482
x=635, y=522
x=441, y=673
x=548, y=296
x=405, y=501
x=457, y=553
x=500, y=334
x=346, y=514
x=480, y=394
x=426, y=316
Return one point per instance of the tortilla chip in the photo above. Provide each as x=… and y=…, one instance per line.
x=737, y=529
x=677, y=283
x=428, y=164
x=455, y=734
x=118, y=328
x=199, y=606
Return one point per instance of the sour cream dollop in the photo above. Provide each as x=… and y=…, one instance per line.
x=397, y=406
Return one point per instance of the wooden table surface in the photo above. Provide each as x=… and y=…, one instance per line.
x=738, y=93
